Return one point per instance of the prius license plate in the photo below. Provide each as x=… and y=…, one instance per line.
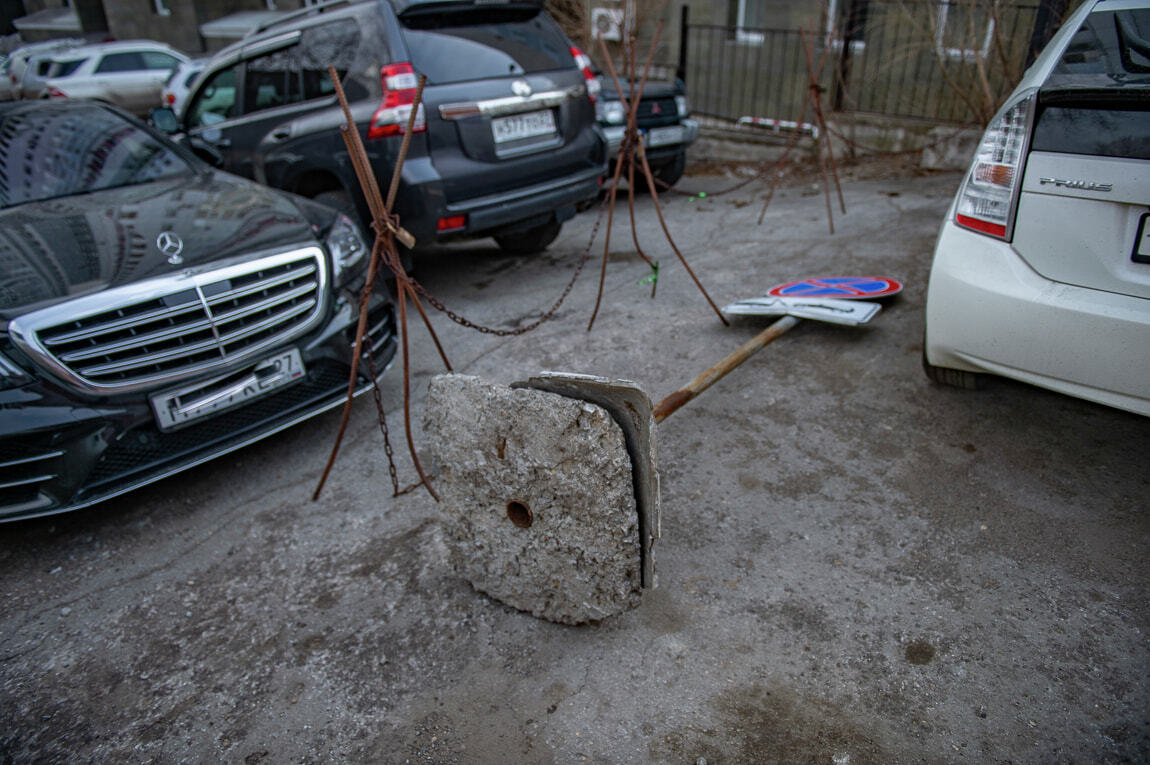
x=176, y=408
x=1142, y=241
x=519, y=126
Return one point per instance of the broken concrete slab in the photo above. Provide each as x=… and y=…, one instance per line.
x=537, y=498
x=632, y=410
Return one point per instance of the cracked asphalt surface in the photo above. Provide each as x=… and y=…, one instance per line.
x=856, y=566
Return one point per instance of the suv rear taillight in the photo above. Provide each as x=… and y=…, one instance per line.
x=989, y=195
x=55, y=93
x=399, y=86
x=584, y=63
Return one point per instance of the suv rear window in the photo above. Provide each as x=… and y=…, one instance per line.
x=1097, y=99
x=484, y=43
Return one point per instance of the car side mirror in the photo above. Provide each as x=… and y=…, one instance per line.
x=206, y=151
x=164, y=120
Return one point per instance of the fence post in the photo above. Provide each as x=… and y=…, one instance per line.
x=844, y=67
x=684, y=30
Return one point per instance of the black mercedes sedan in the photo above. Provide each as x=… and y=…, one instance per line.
x=156, y=312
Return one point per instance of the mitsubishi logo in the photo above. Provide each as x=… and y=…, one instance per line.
x=521, y=88
x=171, y=245
x=656, y=109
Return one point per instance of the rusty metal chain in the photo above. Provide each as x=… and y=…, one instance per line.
x=383, y=429
x=764, y=169
x=464, y=322
x=382, y=416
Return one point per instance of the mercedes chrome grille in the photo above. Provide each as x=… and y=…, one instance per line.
x=155, y=332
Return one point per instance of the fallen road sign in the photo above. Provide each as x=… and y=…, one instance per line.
x=840, y=287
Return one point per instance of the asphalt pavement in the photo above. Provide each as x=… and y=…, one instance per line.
x=856, y=566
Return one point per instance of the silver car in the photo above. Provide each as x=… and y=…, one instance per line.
x=39, y=69
x=125, y=74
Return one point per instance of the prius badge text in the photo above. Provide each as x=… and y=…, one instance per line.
x=1076, y=184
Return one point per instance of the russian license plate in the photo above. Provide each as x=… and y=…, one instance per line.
x=1142, y=241
x=665, y=135
x=519, y=126
x=176, y=408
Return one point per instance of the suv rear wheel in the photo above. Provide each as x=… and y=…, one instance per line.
x=529, y=240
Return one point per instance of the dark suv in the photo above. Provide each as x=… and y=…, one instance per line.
x=505, y=143
x=663, y=119
x=155, y=312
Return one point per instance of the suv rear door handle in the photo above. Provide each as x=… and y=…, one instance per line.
x=281, y=134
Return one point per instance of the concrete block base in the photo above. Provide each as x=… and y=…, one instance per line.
x=537, y=498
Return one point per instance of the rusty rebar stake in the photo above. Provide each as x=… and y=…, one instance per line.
x=387, y=229
x=813, y=101
x=820, y=117
x=632, y=143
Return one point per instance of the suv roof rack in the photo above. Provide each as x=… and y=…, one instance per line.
x=305, y=11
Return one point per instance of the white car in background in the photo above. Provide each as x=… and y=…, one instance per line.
x=179, y=83
x=38, y=70
x=1042, y=268
x=18, y=59
x=126, y=74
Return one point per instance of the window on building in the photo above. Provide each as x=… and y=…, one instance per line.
x=963, y=30
x=750, y=16
x=847, y=18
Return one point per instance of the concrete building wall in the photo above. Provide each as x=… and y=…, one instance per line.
x=139, y=19
x=180, y=26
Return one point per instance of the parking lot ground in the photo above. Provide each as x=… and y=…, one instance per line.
x=856, y=566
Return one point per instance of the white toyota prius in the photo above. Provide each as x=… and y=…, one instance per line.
x=1042, y=268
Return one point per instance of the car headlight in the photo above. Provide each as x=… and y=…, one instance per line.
x=683, y=107
x=610, y=112
x=11, y=376
x=346, y=245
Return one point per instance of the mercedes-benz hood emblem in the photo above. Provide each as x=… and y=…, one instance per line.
x=171, y=245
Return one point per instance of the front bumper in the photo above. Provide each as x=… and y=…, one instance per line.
x=59, y=452
x=988, y=311
x=678, y=140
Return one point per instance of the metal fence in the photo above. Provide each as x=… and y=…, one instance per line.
x=940, y=60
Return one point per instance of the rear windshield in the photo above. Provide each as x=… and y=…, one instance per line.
x=1098, y=132
x=484, y=43
x=1097, y=100
x=1111, y=48
x=48, y=152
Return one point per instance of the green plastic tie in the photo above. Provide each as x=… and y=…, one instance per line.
x=654, y=277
